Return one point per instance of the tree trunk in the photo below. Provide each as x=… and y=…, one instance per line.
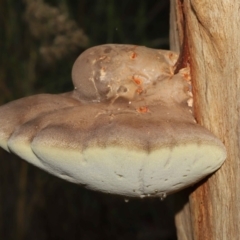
x=213, y=44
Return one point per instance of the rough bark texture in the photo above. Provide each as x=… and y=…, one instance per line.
x=212, y=29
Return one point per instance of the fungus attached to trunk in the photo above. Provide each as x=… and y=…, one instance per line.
x=127, y=128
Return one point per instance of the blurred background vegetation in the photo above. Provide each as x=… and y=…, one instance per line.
x=39, y=41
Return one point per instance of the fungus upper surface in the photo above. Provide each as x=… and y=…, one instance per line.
x=126, y=128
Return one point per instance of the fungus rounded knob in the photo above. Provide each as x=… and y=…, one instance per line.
x=111, y=71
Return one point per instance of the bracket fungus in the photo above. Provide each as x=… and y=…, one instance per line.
x=127, y=127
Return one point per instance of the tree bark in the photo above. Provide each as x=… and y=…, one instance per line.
x=213, y=35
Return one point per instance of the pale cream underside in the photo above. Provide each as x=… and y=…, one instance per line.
x=120, y=171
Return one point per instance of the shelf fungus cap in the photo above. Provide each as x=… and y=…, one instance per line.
x=127, y=127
